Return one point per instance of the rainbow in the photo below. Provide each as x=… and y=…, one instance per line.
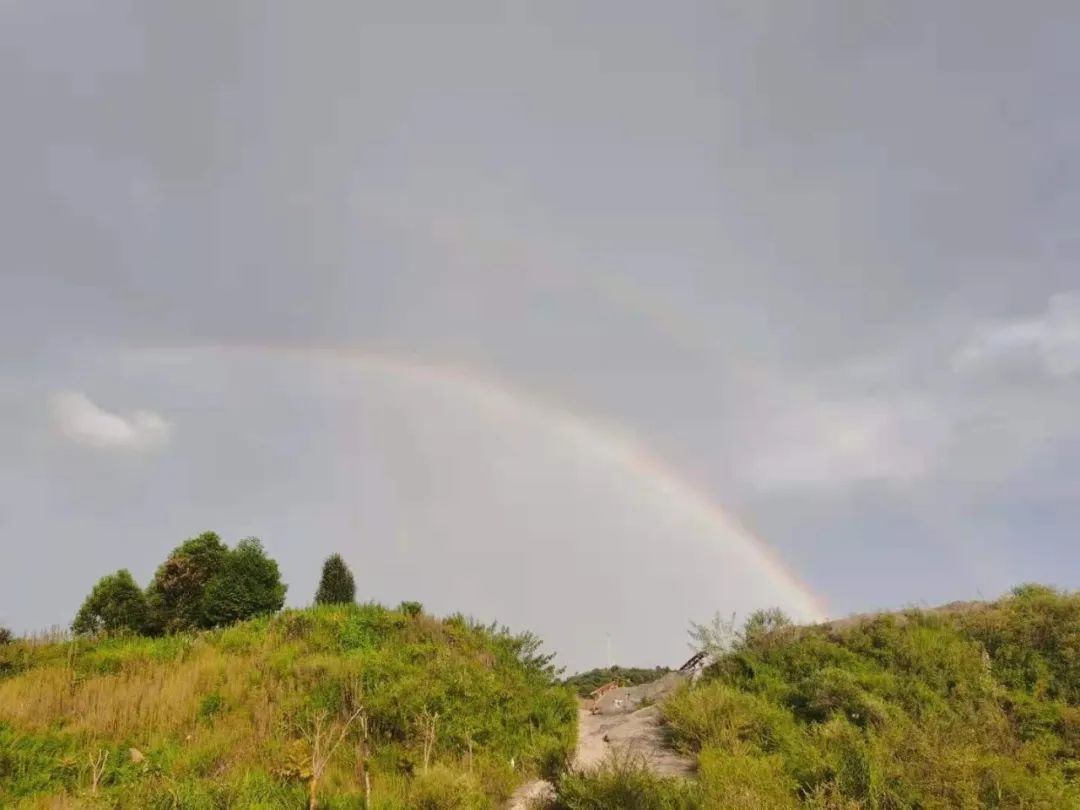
x=664, y=484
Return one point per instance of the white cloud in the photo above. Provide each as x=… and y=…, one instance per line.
x=833, y=444
x=81, y=420
x=1052, y=340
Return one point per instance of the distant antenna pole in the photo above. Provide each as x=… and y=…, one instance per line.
x=609, y=650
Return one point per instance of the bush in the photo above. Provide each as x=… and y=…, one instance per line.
x=624, y=782
x=742, y=781
x=441, y=788
x=6, y=636
x=964, y=706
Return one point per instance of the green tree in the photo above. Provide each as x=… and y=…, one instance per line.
x=116, y=604
x=247, y=584
x=336, y=586
x=176, y=594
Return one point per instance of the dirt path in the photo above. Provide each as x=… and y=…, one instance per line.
x=638, y=734
x=626, y=721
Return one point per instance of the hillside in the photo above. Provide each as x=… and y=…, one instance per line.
x=431, y=713
x=973, y=705
x=970, y=706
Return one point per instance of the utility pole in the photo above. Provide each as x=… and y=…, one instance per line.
x=609, y=650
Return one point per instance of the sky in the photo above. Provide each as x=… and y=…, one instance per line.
x=592, y=319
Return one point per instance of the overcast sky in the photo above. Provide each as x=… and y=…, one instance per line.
x=518, y=306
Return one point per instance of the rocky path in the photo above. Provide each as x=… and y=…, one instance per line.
x=626, y=721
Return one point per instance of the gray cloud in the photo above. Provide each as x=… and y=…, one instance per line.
x=1050, y=340
x=834, y=445
x=809, y=258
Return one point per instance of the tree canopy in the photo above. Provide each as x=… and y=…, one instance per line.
x=336, y=586
x=247, y=584
x=176, y=593
x=116, y=604
x=202, y=584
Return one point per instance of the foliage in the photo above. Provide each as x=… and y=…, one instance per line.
x=964, y=706
x=246, y=585
x=585, y=682
x=968, y=706
x=115, y=605
x=722, y=635
x=624, y=781
x=761, y=624
x=443, y=788
x=716, y=637
x=220, y=715
x=336, y=586
x=202, y=584
x=176, y=593
x=6, y=636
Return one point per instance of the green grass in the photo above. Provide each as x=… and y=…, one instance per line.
x=227, y=718
x=974, y=706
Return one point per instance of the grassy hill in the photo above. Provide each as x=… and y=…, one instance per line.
x=967, y=706
x=971, y=706
x=431, y=713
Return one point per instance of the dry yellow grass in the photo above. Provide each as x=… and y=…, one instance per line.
x=148, y=701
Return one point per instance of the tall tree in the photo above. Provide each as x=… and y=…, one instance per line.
x=116, y=604
x=336, y=586
x=247, y=584
x=176, y=594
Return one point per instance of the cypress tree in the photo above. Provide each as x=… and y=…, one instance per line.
x=336, y=587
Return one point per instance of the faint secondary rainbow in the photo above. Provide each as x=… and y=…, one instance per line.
x=670, y=489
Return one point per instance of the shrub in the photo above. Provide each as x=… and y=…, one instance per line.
x=718, y=715
x=211, y=706
x=441, y=788
x=964, y=706
x=623, y=781
x=739, y=781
